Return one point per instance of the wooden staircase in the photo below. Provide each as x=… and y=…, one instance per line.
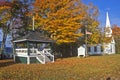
x=44, y=56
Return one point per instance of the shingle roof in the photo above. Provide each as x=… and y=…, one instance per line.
x=34, y=36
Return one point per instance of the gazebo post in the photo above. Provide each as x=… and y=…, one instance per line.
x=28, y=48
x=14, y=47
x=28, y=53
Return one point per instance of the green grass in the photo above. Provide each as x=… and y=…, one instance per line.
x=90, y=68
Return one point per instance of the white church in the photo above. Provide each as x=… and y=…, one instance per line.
x=106, y=48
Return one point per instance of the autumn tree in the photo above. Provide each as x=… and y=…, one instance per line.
x=91, y=25
x=13, y=19
x=5, y=17
x=64, y=20
x=61, y=19
x=19, y=10
x=116, y=36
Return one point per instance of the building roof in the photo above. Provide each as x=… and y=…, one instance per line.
x=34, y=36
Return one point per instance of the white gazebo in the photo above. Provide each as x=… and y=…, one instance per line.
x=33, y=48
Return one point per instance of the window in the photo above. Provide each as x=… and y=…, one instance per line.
x=101, y=49
x=95, y=48
x=89, y=49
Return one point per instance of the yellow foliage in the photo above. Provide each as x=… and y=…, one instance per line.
x=4, y=13
x=60, y=18
x=94, y=38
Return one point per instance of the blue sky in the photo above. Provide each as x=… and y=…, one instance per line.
x=8, y=42
x=112, y=6
x=103, y=5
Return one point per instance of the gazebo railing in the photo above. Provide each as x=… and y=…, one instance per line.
x=21, y=51
x=42, y=56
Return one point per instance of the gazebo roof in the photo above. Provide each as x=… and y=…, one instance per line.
x=34, y=36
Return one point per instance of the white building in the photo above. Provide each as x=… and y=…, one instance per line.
x=106, y=48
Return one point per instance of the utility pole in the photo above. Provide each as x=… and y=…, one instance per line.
x=85, y=40
x=33, y=23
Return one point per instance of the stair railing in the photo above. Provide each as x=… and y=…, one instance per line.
x=46, y=51
x=39, y=55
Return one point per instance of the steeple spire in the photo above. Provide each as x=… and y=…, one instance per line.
x=109, y=48
x=107, y=21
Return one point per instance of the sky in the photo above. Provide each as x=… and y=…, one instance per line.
x=113, y=8
x=8, y=42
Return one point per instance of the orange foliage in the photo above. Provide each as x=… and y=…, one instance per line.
x=60, y=18
x=4, y=12
x=116, y=31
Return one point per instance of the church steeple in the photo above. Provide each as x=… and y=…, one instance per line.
x=109, y=48
x=107, y=21
x=108, y=30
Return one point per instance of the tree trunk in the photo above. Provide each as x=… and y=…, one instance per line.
x=5, y=32
x=71, y=50
x=3, y=45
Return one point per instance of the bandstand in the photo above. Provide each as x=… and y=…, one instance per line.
x=33, y=48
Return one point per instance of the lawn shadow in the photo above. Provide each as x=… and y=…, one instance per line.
x=6, y=62
x=96, y=55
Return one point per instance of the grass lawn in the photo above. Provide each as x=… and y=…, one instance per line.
x=90, y=68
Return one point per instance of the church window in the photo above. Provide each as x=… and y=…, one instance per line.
x=95, y=48
x=89, y=49
x=101, y=49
